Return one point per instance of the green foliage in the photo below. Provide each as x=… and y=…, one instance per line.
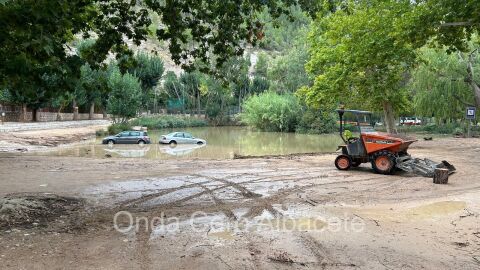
x=287, y=72
x=272, y=112
x=149, y=70
x=281, y=33
x=101, y=133
x=166, y=121
x=438, y=84
x=118, y=127
x=356, y=56
x=450, y=23
x=220, y=26
x=261, y=67
x=316, y=122
x=92, y=86
x=5, y=96
x=124, y=100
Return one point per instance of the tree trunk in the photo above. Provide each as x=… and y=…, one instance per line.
x=23, y=114
x=75, y=110
x=471, y=79
x=389, y=117
x=105, y=115
x=476, y=92
x=59, y=116
x=92, y=111
x=198, y=104
x=35, y=115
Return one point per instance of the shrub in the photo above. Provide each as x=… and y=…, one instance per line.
x=101, y=132
x=272, y=112
x=168, y=121
x=316, y=122
x=117, y=128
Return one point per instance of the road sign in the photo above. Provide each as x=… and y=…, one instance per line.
x=471, y=111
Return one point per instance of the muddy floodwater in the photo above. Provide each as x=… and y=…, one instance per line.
x=222, y=143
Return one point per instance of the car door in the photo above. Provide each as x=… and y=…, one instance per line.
x=134, y=136
x=123, y=137
x=188, y=138
x=179, y=137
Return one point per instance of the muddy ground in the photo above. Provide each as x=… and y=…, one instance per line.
x=295, y=212
x=38, y=140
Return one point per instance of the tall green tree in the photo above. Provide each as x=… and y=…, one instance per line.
x=440, y=85
x=149, y=70
x=357, y=57
x=124, y=101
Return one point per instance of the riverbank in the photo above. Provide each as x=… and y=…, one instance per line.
x=398, y=221
x=24, y=137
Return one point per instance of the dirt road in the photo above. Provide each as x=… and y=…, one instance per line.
x=296, y=212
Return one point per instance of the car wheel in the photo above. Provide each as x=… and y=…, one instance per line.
x=141, y=143
x=173, y=144
x=111, y=142
x=199, y=143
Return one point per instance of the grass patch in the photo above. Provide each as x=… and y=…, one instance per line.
x=168, y=121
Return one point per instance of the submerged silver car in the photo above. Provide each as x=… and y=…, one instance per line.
x=180, y=138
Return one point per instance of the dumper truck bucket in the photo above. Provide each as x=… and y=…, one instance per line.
x=424, y=167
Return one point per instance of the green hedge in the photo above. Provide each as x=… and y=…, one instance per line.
x=272, y=112
x=168, y=121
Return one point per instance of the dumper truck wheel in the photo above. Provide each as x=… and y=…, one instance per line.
x=383, y=162
x=343, y=162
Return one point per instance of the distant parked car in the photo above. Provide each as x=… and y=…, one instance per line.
x=410, y=121
x=180, y=138
x=128, y=137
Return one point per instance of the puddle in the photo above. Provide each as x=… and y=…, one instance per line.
x=224, y=235
x=426, y=211
x=436, y=209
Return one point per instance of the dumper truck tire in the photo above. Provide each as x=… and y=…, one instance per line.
x=343, y=162
x=383, y=162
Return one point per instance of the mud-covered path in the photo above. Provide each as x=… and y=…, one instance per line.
x=264, y=213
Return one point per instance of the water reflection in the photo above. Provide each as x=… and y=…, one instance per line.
x=222, y=143
x=181, y=149
x=140, y=151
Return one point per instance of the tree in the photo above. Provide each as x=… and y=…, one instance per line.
x=191, y=86
x=218, y=29
x=124, y=100
x=287, y=72
x=440, y=84
x=38, y=67
x=357, y=57
x=149, y=70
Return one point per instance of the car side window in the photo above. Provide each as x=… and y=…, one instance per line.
x=134, y=133
x=187, y=135
x=124, y=134
x=178, y=135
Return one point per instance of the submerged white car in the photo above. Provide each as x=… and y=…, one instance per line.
x=175, y=138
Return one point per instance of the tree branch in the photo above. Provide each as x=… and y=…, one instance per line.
x=462, y=101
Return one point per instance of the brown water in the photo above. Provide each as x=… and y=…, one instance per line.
x=222, y=143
